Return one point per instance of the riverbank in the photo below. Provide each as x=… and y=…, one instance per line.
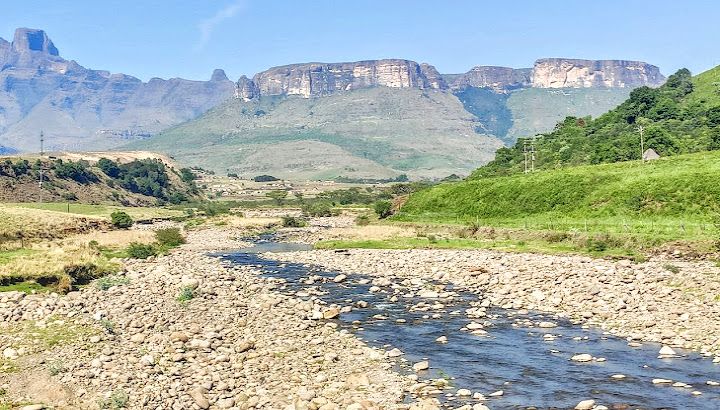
x=186, y=331
x=662, y=300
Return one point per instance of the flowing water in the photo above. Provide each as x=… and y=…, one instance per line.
x=514, y=356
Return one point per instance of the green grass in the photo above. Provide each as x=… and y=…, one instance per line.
x=8, y=256
x=104, y=210
x=498, y=244
x=26, y=286
x=672, y=198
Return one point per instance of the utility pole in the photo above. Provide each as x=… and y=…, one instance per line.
x=525, y=154
x=642, y=143
x=42, y=166
x=532, y=155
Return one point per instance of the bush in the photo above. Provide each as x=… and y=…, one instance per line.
x=169, y=237
x=121, y=219
x=317, y=209
x=596, y=245
x=140, y=251
x=362, y=220
x=383, y=209
x=292, y=222
x=106, y=282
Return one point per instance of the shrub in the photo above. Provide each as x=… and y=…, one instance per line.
x=140, y=251
x=56, y=367
x=169, y=237
x=596, y=245
x=383, y=209
x=292, y=222
x=106, y=282
x=672, y=268
x=362, y=220
x=186, y=293
x=121, y=219
x=317, y=209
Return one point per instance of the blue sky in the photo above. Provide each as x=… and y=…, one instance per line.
x=181, y=38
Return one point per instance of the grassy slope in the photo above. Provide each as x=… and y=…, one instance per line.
x=377, y=131
x=655, y=197
x=682, y=116
x=537, y=110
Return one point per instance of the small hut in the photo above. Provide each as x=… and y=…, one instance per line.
x=650, y=155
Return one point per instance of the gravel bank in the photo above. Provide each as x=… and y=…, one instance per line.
x=235, y=343
x=671, y=302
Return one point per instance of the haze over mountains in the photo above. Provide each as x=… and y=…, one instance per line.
x=367, y=119
x=84, y=109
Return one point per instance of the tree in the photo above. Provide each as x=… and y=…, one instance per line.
x=121, y=220
x=279, y=196
x=187, y=175
x=383, y=209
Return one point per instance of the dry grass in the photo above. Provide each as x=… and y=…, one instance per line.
x=35, y=223
x=243, y=222
x=50, y=262
x=112, y=239
x=369, y=232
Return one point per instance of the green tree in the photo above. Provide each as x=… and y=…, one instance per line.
x=383, y=209
x=121, y=219
x=277, y=195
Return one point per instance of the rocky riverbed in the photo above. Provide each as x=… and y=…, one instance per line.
x=666, y=301
x=186, y=331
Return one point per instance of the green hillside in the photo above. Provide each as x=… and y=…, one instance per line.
x=674, y=191
x=537, y=110
x=682, y=116
x=366, y=133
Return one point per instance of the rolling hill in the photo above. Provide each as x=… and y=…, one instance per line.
x=681, y=116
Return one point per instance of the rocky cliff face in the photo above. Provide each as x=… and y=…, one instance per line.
x=497, y=78
x=316, y=79
x=80, y=108
x=561, y=72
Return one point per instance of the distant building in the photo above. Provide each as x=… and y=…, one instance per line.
x=650, y=155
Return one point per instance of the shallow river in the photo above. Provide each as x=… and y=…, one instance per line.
x=513, y=357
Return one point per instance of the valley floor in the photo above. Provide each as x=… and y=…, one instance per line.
x=188, y=331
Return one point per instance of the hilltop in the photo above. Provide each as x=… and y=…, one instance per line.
x=116, y=178
x=681, y=116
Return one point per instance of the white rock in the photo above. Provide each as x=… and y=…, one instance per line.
x=547, y=325
x=10, y=353
x=339, y=278
x=424, y=365
x=497, y=393
x=582, y=358
x=463, y=393
x=667, y=351
x=661, y=381
x=585, y=405
x=395, y=353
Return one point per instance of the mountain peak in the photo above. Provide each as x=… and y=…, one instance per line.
x=219, y=75
x=28, y=39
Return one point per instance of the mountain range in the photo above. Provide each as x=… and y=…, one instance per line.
x=366, y=119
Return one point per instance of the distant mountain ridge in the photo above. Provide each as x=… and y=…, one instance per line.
x=81, y=109
x=372, y=118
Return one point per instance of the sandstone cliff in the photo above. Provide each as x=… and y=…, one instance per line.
x=562, y=72
x=497, y=78
x=316, y=79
